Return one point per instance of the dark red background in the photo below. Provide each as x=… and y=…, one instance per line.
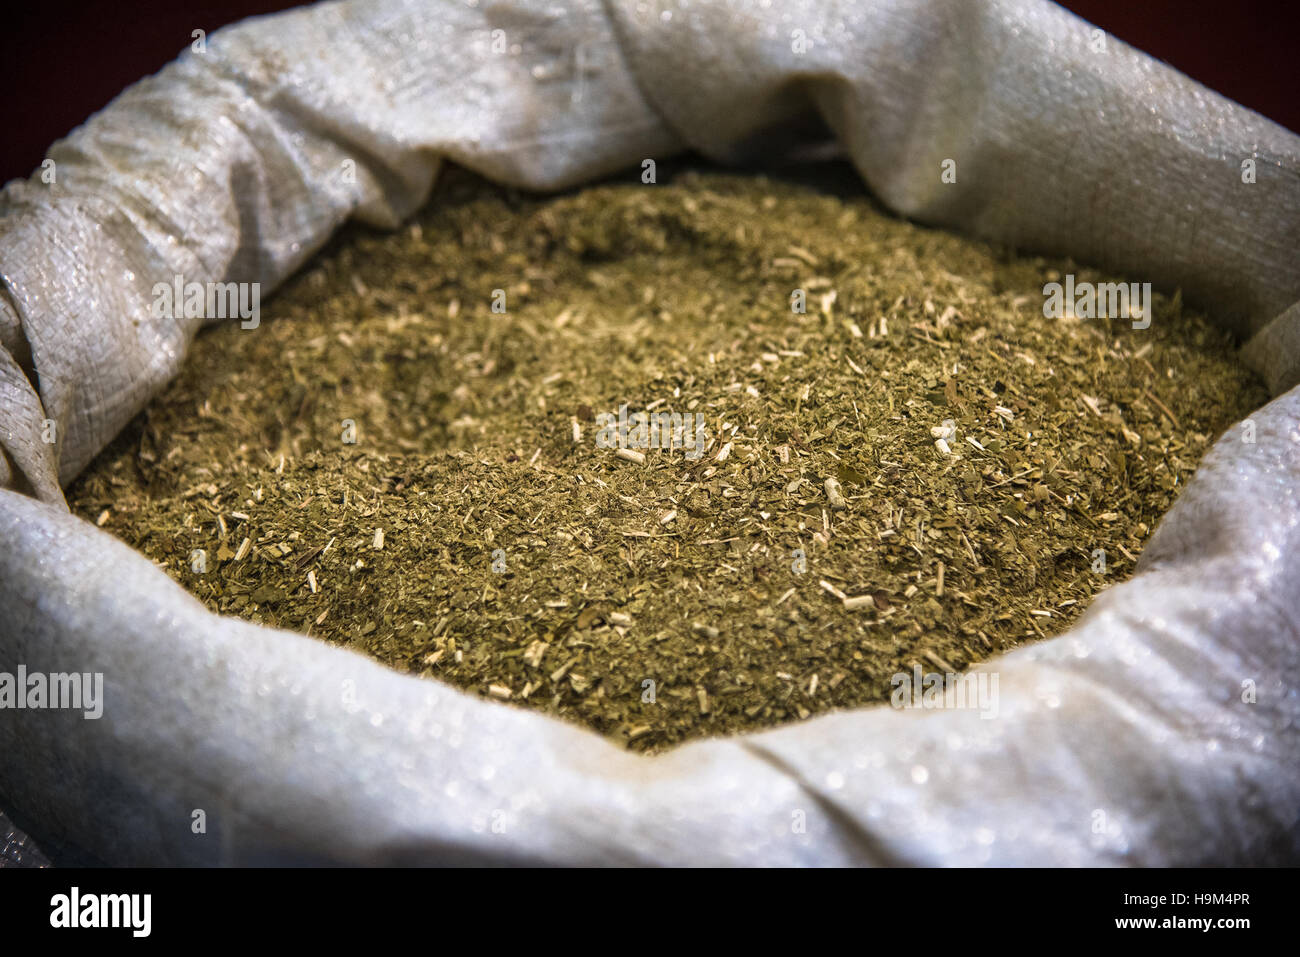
x=61, y=60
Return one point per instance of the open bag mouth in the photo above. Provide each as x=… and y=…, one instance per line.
x=697, y=465
x=1160, y=729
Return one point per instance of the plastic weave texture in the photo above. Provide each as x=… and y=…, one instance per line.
x=226, y=167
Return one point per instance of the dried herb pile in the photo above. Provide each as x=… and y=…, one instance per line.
x=468, y=535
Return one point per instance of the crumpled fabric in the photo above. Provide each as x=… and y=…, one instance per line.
x=1161, y=730
x=17, y=849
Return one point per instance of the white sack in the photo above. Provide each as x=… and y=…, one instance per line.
x=1126, y=740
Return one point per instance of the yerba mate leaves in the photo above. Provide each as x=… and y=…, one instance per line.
x=919, y=467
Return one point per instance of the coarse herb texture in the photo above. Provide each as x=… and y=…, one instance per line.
x=389, y=464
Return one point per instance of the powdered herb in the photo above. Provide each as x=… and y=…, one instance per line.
x=919, y=468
